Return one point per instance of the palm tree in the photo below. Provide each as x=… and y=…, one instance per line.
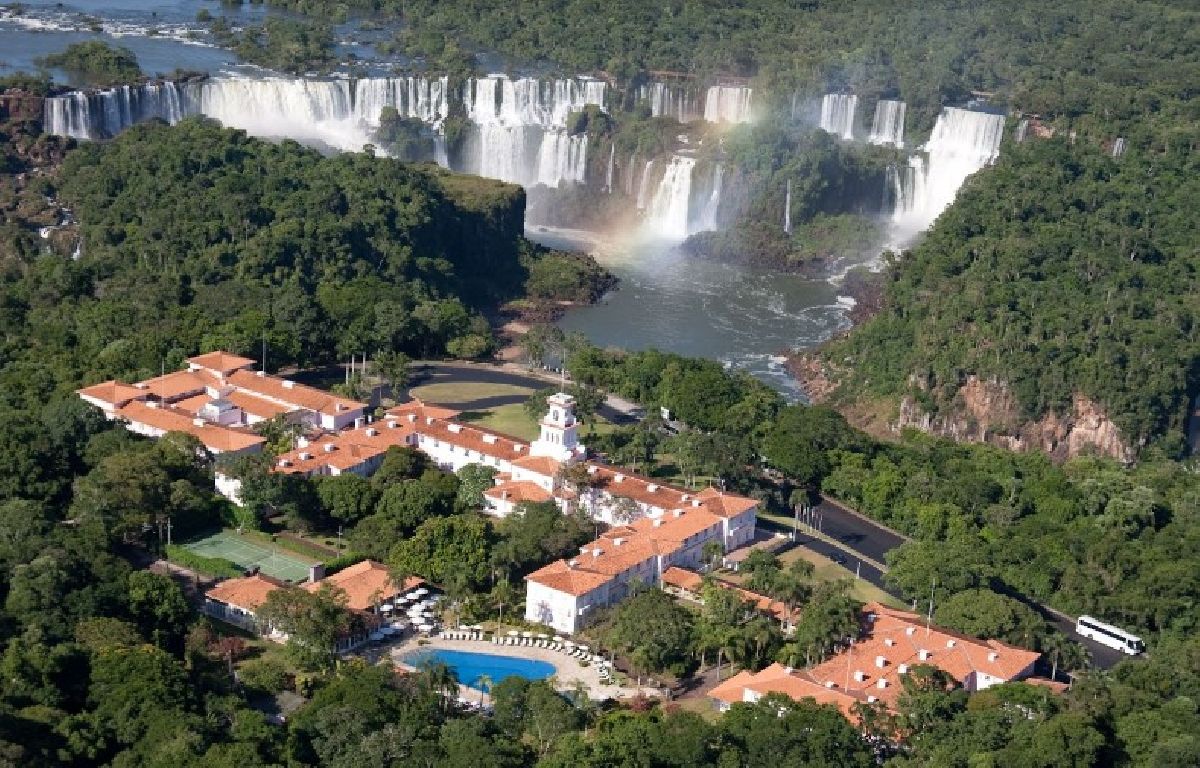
x=440, y=680
x=501, y=595
x=484, y=682
x=393, y=368
x=1064, y=652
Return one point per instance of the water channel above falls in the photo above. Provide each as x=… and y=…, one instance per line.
x=668, y=300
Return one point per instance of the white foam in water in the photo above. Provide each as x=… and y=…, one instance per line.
x=672, y=101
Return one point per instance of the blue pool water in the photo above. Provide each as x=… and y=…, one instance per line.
x=469, y=667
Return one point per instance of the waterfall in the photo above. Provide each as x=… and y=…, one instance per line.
x=728, y=104
x=417, y=98
x=888, y=125
x=608, y=177
x=677, y=102
x=837, y=114
x=667, y=215
x=630, y=170
x=526, y=119
x=787, y=209
x=644, y=186
x=1118, y=147
x=1022, y=131
x=561, y=158
x=318, y=111
x=520, y=126
x=104, y=114
x=712, y=204
x=963, y=141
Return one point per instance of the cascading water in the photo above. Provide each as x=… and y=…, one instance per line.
x=787, y=209
x=676, y=102
x=667, y=215
x=728, y=104
x=1118, y=148
x=1022, y=131
x=104, y=114
x=963, y=141
x=837, y=114
x=888, y=125
x=521, y=124
x=417, y=98
x=608, y=176
x=712, y=203
x=644, y=186
x=520, y=120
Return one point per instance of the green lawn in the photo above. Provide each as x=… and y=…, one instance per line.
x=513, y=420
x=827, y=570
x=450, y=393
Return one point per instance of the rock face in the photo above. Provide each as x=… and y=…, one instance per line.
x=986, y=411
x=18, y=105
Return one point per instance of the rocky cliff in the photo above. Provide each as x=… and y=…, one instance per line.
x=986, y=411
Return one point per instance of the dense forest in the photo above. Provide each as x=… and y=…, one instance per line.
x=1066, y=270
x=201, y=238
x=1082, y=280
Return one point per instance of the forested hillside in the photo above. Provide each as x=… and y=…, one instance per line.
x=1062, y=271
x=196, y=237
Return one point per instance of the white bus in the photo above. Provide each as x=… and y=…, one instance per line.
x=1107, y=634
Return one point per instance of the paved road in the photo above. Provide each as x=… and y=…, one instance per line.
x=873, y=541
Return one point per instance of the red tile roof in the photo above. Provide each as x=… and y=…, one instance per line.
x=112, y=392
x=365, y=584
x=221, y=362
x=173, y=386
x=247, y=593
x=693, y=582
x=216, y=438
x=897, y=639
x=795, y=684
x=293, y=393
x=563, y=578
x=518, y=492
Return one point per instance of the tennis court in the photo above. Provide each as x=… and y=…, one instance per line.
x=248, y=554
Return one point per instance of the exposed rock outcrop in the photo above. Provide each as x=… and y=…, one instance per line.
x=986, y=411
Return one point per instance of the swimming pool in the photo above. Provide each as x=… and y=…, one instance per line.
x=469, y=667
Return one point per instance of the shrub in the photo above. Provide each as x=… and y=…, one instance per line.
x=213, y=566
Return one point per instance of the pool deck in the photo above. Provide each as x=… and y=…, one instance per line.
x=567, y=670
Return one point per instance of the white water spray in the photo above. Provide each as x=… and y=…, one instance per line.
x=837, y=114
x=888, y=125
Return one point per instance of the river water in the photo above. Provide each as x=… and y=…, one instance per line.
x=667, y=300
x=741, y=317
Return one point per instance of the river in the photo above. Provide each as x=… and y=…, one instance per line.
x=667, y=300
x=741, y=317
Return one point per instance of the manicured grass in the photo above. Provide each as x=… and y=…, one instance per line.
x=465, y=391
x=513, y=420
x=827, y=570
